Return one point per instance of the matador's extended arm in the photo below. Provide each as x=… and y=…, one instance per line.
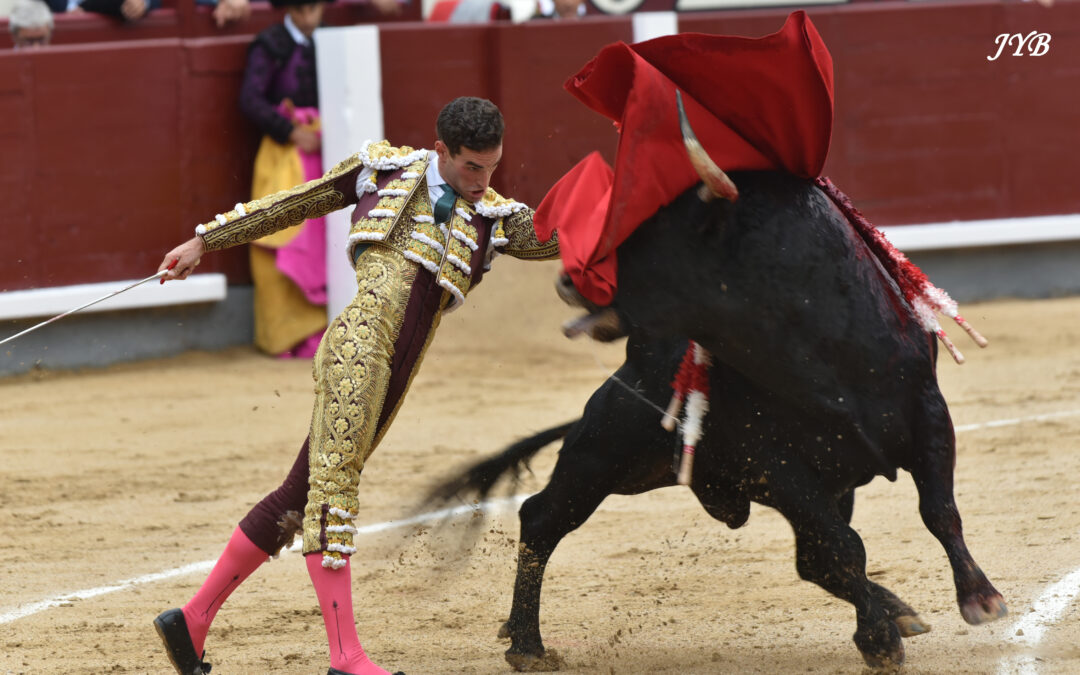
x=260, y=217
x=522, y=241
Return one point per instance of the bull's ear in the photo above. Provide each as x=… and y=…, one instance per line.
x=717, y=183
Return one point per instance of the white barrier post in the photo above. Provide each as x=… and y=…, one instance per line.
x=350, y=104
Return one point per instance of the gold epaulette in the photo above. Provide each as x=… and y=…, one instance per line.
x=260, y=217
x=382, y=156
x=375, y=225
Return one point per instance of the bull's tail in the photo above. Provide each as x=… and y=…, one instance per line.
x=477, y=481
x=925, y=299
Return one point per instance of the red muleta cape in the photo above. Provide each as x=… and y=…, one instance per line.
x=754, y=103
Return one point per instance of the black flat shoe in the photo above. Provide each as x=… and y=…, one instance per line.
x=174, y=634
x=335, y=671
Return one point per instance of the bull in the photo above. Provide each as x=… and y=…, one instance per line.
x=822, y=378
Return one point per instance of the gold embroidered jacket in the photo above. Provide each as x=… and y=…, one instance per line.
x=389, y=187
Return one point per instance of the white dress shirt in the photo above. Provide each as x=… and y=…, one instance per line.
x=297, y=36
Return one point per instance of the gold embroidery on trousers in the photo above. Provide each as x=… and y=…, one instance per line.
x=352, y=372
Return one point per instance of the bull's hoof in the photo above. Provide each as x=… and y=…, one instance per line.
x=981, y=609
x=910, y=626
x=504, y=630
x=548, y=661
x=880, y=646
x=886, y=661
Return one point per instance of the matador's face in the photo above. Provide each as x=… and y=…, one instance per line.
x=469, y=171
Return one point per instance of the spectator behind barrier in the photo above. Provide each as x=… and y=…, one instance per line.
x=31, y=24
x=559, y=9
x=279, y=95
x=235, y=11
x=469, y=11
x=129, y=10
x=228, y=11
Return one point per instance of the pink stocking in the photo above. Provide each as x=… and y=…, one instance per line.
x=240, y=559
x=334, y=590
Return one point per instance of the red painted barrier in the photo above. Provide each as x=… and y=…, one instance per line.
x=113, y=152
x=927, y=129
x=522, y=69
x=116, y=152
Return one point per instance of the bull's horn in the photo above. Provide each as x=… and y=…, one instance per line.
x=717, y=182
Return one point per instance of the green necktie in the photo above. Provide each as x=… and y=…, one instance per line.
x=445, y=205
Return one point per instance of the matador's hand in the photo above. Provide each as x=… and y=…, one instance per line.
x=187, y=257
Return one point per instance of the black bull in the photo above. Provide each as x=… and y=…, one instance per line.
x=822, y=380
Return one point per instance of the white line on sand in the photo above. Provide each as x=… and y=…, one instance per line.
x=56, y=601
x=1046, y=610
x=1029, y=630
x=8, y=616
x=1016, y=420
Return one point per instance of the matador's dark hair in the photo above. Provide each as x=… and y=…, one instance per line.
x=473, y=123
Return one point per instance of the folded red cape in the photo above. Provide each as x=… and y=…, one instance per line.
x=754, y=103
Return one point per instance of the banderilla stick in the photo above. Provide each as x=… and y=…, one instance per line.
x=159, y=275
x=686, y=466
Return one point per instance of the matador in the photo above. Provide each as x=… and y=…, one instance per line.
x=425, y=229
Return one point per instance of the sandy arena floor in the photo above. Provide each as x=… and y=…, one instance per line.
x=110, y=476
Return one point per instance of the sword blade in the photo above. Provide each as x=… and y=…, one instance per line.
x=82, y=307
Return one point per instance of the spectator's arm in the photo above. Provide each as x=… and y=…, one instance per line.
x=387, y=7
x=133, y=10
x=228, y=11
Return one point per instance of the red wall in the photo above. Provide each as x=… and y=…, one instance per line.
x=524, y=67
x=112, y=153
x=928, y=130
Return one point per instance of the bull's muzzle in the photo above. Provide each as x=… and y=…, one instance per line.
x=600, y=323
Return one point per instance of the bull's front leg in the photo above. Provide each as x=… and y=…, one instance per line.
x=834, y=558
x=546, y=517
x=614, y=448
x=526, y=652
x=907, y=620
x=831, y=554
